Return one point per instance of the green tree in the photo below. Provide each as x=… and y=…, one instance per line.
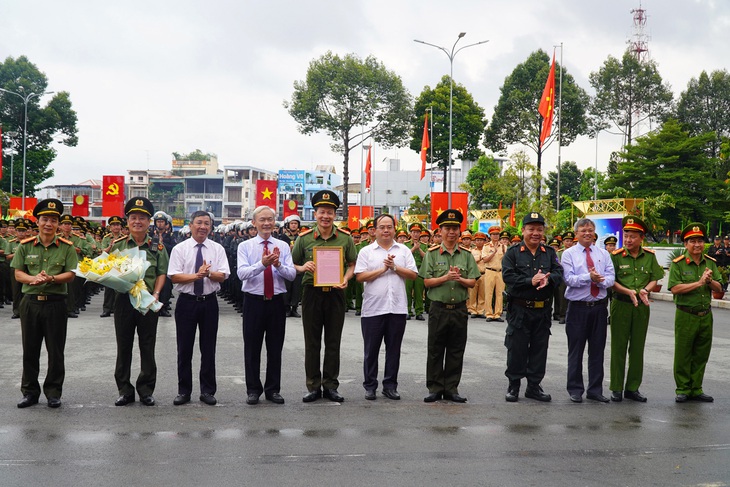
x=196, y=155
x=570, y=182
x=485, y=184
x=516, y=119
x=671, y=162
x=420, y=206
x=468, y=124
x=342, y=94
x=628, y=92
x=54, y=121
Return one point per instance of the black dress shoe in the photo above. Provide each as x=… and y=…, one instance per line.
x=83, y=308
x=358, y=313
x=73, y=315
x=702, y=398
x=489, y=320
x=27, y=401
x=252, y=398
x=391, y=394
x=536, y=392
x=634, y=396
x=681, y=398
x=15, y=316
x=433, y=397
x=312, y=396
x=294, y=314
x=208, y=399
x=370, y=395
x=513, y=394
x=616, y=396
x=147, y=400
x=576, y=398
x=165, y=313
x=123, y=400
x=409, y=316
x=54, y=402
x=333, y=395
x=275, y=397
x=420, y=317
x=105, y=314
x=454, y=397
x=181, y=399
x=597, y=397
x=500, y=319
x=561, y=321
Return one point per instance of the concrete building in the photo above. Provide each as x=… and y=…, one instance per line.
x=239, y=190
x=66, y=193
x=186, y=168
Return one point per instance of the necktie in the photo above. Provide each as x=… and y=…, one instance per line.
x=198, y=284
x=589, y=262
x=268, y=275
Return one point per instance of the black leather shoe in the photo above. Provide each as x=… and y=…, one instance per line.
x=409, y=317
x=433, y=397
x=681, y=398
x=252, y=399
x=15, y=316
x=634, y=396
x=105, y=314
x=27, y=401
x=54, y=402
x=597, y=397
x=702, y=398
x=181, y=399
x=454, y=397
x=73, y=315
x=275, y=397
x=489, y=320
x=420, y=317
x=208, y=399
x=333, y=395
x=123, y=400
x=165, y=313
x=616, y=396
x=536, y=392
x=312, y=396
x=83, y=308
x=561, y=321
x=391, y=394
x=576, y=398
x=358, y=313
x=500, y=319
x=147, y=400
x=294, y=314
x=370, y=395
x=513, y=394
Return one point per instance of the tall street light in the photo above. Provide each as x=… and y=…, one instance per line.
x=25, y=99
x=451, y=56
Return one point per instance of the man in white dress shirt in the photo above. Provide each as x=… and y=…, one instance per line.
x=197, y=267
x=384, y=266
x=264, y=264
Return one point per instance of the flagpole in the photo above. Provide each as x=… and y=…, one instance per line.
x=560, y=120
x=362, y=143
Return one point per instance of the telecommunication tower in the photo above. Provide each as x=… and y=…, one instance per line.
x=639, y=42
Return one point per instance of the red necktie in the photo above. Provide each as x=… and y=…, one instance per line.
x=268, y=275
x=589, y=262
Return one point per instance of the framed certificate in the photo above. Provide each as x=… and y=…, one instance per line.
x=328, y=266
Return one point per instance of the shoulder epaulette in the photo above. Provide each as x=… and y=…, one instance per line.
x=618, y=251
x=433, y=247
x=120, y=239
x=678, y=258
x=305, y=232
x=14, y=239
x=711, y=258
x=26, y=240
x=344, y=230
x=65, y=241
x=78, y=235
x=651, y=251
x=464, y=248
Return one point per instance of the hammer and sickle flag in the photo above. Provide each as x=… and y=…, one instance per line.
x=112, y=196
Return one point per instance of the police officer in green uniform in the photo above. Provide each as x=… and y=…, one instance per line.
x=637, y=271
x=44, y=265
x=415, y=287
x=531, y=273
x=65, y=227
x=22, y=226
x=127, y=320
x=114, y=224
x=366, y=238
x=323, y=307
x=6, y=292
x=561, y=304
x=692, y=277
x=447, y=271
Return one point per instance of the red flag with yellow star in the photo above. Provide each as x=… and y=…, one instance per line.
x=424, y=147
x=547, y=104
x=353, y=221
x=266, y=194
x=440, y=202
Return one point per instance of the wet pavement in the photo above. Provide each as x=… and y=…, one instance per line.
x=89, y=441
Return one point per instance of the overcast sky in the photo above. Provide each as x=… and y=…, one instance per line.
x=151, y=77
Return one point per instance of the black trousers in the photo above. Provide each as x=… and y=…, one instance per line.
x=586, y=325
x=189, y=316
x=526, y=339
x=322, y=311
x=110, y=296
x=39, y=321
x=376, y=329
x=127, y=321
x=447, y=334
x=263, y=320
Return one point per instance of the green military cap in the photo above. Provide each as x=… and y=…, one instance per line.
x=11, y=223
x=325, y=198
x=114, y=219
x=20, y=224
x=139, y=205
x=370, y=224
x=66, y=219
x=554, y=242
x=504, y=234
x=533, y=217
x=694, y=230
x=415, y=226
x=50, y=206
x=450, y=217
x=569, y=234
x=634, y=224
x=610, y=240
x=3, y=224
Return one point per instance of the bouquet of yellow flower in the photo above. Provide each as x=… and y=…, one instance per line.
x=124, y=272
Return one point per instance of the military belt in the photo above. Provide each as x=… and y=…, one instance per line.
x=589, y=304
x=439, y=304
x=494, y=270
x=46, y=297
x=531, y=304
x=693, y=311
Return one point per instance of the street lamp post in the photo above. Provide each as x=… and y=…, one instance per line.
x=11, y=146
x=451, y=55
x=25, y=99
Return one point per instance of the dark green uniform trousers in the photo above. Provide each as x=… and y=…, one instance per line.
x=127, y=320
x=43, y=320
x=692, y=344
x=629, y=325
x=414, y=291
x=110, y=295
x=447, y=332
x=322, y=311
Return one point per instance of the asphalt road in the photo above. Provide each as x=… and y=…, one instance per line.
x=89, y=441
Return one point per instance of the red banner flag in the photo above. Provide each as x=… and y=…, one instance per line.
x=512, y=215
x=368, y=171
x=1, y=151
x=80, y=205
x=15, y=207
x=424, y=147
x=440, y=202
x=353, y=220
x=266, y=194
x=291, y=207
x=112, y=196
x=547, y=104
